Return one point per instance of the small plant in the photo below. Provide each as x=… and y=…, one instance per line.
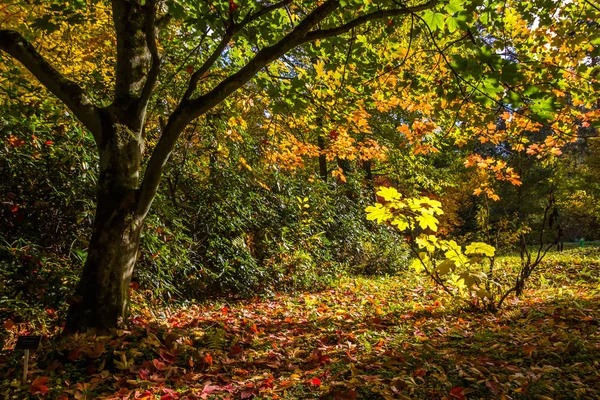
x=466, y=273
x=529, y=263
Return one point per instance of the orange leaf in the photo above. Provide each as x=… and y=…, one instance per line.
x=457, y=392
x=38, y=386
x=159, y=365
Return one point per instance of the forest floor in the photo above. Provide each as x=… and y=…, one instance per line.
x=367, y=338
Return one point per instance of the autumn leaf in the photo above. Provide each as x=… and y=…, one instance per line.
x=389, y=193
x=445, y=267
x=159, y=365
x=427, y=221
x=480, y=248
x=378, y=213
x=457, y=393
x=38, y=386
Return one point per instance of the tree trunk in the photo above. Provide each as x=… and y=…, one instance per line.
x=102, y=294
x=322, y=159
x=368, y=165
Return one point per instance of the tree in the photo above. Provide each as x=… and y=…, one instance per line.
x=222, y=44
x=119, y=124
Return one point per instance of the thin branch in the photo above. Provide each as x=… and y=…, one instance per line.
x=185, y=60
x=69, y=92
x=592, y=4
x=188, y=110
x=150, y=29
x=230, y=32
x=376, y=15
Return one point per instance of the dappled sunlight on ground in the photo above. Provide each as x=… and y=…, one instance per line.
x=381, y=338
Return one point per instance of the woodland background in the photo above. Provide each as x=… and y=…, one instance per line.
x=261, y=210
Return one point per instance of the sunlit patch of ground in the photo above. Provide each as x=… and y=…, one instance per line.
x=383, y=338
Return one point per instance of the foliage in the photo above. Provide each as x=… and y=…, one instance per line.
x=446, y=263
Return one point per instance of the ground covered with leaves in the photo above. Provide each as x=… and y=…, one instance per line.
x=384, y=338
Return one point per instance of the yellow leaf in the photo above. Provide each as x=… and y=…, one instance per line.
x=401, y=222
x=378, y=213
x=416, y=265
x=480, y=248
x=445, y=266
x=427, y=221
x=389, y=193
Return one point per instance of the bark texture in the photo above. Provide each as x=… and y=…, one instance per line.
x=102, y=294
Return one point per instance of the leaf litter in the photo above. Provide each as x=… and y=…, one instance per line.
x=367, y=338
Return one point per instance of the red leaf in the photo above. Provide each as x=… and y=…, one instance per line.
x=232, y=6
x=15, y=141
x=457, y=392
x=159, y=365
x=315, y=381
x=208, y=359
x=38, y=386
x=254, y=329
x=189, y=69
x=167, y=357
x=268, y=383
x=144, y=374
x=74, y=354
x=350, y=395
x=235, y=350
x=48, y=142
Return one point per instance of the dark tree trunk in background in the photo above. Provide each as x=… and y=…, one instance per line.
x=322, y=159
x=367, y=166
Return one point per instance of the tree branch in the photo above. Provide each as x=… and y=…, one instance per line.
x=347, y=27
x=151, y=30
x=133, y=52
x=69, y=92
x=189, y=109
x=230, y=32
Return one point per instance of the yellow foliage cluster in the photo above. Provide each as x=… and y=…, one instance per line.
x=83, y=52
